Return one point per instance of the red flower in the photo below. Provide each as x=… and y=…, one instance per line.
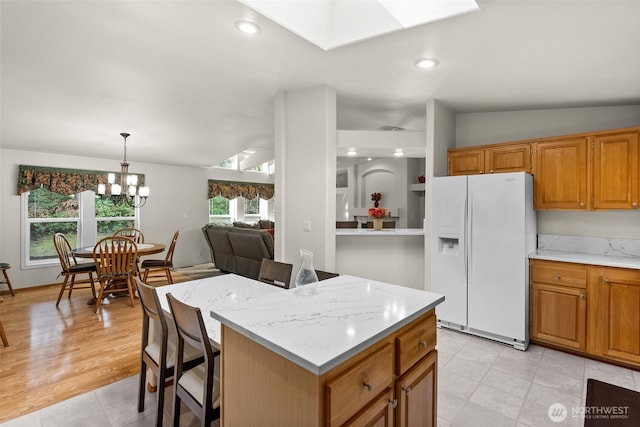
x=376, y=197
x=377, y=212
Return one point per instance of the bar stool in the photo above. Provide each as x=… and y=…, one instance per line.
x=4, y=267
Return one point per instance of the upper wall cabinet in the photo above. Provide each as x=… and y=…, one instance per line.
x=560, y=175
x=496, y=158
x=615, y=171
x=587, y=171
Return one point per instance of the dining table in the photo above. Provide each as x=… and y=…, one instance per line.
x=143, y=250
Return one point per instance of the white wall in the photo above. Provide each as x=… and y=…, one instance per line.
x=488, y=128
x=178, y=201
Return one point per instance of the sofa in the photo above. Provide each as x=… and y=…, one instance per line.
x=238, y=250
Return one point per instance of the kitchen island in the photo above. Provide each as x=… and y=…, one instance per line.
x=342, y=350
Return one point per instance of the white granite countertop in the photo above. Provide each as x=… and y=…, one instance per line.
x=339, y=318
x=605, y=251
x=584, y=258
x=227, y=290
x=383, y=232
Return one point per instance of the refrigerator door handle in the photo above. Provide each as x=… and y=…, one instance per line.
x=470, y=241
x=465, y=226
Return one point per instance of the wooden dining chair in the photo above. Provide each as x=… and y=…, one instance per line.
x=5, y=277
x=71, y=268
x=346, y=224
x=324, y=275
x=157, y=352
x=115, y=259
x=275, y=273
x=3, y=335
x=385, y=224
x=199, y=387
x=165, y=264
x=130, y=233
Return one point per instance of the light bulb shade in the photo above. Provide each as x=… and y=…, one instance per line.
x=143, y=191
x=111, y=178
x=132, y=179
x=132, y=190
x=116, y=190
x=102, y=189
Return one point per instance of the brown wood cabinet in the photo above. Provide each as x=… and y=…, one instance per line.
x=496, y=158
x=615, y=171
x=558, y=312
x=416, y=389
x=587, y=309
x=560, y=174
x=616, y=324
x=362, y=391
x=586, y=171
x=465, y=161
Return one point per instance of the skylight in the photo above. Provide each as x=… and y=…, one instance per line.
x=333, y=23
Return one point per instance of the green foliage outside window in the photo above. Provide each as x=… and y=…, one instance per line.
x=218, y=206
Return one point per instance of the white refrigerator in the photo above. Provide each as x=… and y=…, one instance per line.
x=484, y=227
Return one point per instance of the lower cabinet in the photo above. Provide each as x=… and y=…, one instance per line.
x=586, y=308
x=618, y=324
x=415, y=391
x=558, y=313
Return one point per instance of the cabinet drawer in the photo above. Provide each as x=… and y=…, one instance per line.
x=353, y=389
x=557, y=273
x=415, y=343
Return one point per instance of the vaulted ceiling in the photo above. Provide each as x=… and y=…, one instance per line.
x=192, y=90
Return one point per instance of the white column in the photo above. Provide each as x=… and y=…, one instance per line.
x=305, y=178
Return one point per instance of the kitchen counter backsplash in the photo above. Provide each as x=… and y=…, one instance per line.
x=590, y=245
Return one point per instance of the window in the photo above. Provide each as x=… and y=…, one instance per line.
x=111, y=218
x=83, y=218
x=222, y=210
x=225, y=211
x=48, y=213
x=252, y=209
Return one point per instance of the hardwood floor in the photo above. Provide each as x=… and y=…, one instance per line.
x=55, y=354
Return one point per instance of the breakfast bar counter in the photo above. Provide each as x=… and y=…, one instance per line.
x=328, y=353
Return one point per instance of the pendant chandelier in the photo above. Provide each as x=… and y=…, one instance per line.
x=124, y=189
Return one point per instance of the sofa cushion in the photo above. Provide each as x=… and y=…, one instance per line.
x=241, y=224
x=222, y=253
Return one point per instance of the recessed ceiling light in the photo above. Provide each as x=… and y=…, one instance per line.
x=398, y=153
x=351, y=152
x=248, y=27
x=426, y=63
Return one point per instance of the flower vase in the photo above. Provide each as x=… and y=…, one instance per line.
x=376, y=203
x=306, y=273
x=377, y=224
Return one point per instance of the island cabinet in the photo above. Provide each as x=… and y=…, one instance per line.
x=391, y=382
x=558, y=303
x=496, y=158
x=616, y=310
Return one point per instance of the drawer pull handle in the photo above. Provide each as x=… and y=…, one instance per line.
x=393, y=403
x=605, y=280
x=368, y=386
x=423, y=344
x=407, y=390
x=581, y=296
x=558, y=276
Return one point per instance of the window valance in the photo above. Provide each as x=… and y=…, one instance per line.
x=232, y=189
x=63, y=181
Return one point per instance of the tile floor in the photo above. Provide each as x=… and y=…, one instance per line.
x=480, y=383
